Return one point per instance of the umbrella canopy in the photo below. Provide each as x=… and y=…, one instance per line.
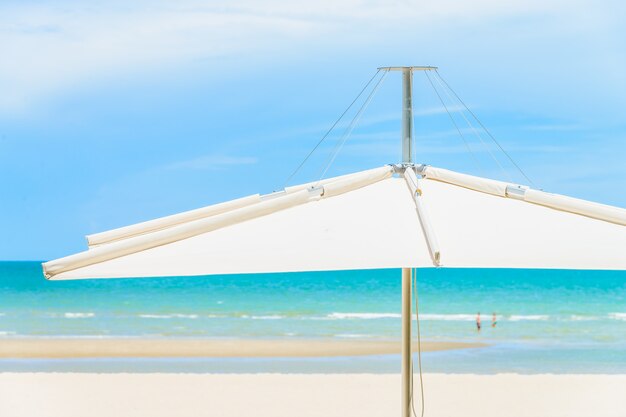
x=397, y=216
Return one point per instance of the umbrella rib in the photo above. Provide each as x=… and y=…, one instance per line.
x=572, y=205
x=427, y=228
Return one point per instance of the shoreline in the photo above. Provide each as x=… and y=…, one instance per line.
x=59, y=348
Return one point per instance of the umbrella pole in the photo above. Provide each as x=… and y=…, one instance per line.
x=407, y=153
x=407, y=115
x=406, y=342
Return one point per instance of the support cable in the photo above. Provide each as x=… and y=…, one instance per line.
x=330, y=130
x=467, y=146
x=419, y=351
x=486, y=130
x=478, y=136
x=351, y=126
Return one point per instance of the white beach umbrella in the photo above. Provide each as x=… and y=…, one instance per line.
x=398, y=216
x=387, y=217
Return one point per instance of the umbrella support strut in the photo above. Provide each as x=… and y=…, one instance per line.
x=406, y=342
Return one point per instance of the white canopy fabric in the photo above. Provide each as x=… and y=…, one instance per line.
x=366, y=220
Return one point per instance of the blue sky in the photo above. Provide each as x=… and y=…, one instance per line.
x=115, y=114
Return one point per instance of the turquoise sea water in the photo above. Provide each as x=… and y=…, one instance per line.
x=548, y=321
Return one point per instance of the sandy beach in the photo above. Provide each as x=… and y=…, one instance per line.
x=276, y=395
x=111, y=348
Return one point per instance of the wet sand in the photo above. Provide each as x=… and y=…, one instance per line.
x=193, y=348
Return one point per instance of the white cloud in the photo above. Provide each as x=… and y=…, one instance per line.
x=45, y=51
x=48, y=49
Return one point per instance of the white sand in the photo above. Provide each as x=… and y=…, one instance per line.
x=276, y=395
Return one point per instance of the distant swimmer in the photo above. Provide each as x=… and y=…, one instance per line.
x=478, y=321
x=494, y=321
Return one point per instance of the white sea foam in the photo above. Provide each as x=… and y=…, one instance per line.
x=375, y=316
x=267, y=317
x=617, y=316
x=575, y=317
x=363, y=316
x=463, y=317
x=372, y=316
x=448, y=317
x=527, y=317
x=353, y=335
x=424, y=316
x=6, y=333
x=168, y=316
x=78, y=315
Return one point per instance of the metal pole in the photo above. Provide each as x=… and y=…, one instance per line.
x=407, y=115
x=406, y=342
x=407, y=157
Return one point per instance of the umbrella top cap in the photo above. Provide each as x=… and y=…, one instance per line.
x=412, y=68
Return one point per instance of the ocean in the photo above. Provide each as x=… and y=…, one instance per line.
x=548, y=321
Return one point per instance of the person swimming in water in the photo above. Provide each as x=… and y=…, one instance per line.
x=478, y=321
x=493, y=320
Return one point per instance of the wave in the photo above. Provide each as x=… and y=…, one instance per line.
x=354, y=335
x=448, y=317
x=70, y=315
x=434, y=317
x=455, y=317
x=212, y=316
x=426, y=316
x=528, y=317
x=364, y=316
x=78, y=315
x=168, y=316
x=484, y=317
x=6, y=333
x=267, y=317
x=575, y=317
x=429, y=316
